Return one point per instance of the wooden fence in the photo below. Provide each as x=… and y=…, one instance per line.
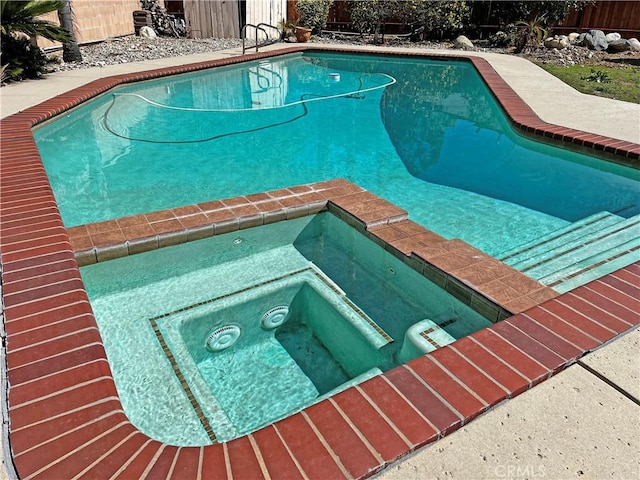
x=95, y=21
x=609, y=16
x=99, y=20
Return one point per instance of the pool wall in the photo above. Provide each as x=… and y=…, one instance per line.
x=63, y=414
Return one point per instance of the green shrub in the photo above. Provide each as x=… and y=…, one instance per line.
x=21, y=59
x=530, y=33
x=20, y=20
x=506, y=12
x=442, y=17
x=367, y=15
x=313, y=13
x=504, y=38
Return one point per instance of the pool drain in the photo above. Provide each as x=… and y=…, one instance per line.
x=274, y=317
x=222, y=338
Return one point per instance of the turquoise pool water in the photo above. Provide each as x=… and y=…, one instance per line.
x=321, y=269
x=424, y=134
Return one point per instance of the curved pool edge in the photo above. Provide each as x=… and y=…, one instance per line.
x=65, y=417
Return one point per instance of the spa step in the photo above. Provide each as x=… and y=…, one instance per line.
x=423, y=337
x=559, y=237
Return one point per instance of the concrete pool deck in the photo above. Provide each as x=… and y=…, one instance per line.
x=569, y=417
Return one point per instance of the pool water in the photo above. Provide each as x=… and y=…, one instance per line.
x=424, y=134
x=353, y=311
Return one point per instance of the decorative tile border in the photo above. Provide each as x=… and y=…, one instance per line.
x=204, y=421
x=425, y=334
x=66, y=420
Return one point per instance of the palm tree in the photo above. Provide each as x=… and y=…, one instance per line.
x=70, y=49
x=20, y=16
x=19, y=24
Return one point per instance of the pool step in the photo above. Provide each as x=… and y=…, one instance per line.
x=581, y=252
x=594, y=267
x=559, y=237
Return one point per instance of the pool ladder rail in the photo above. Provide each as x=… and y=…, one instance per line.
x=261, y=27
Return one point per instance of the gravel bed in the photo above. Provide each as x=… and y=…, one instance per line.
x=135, y=49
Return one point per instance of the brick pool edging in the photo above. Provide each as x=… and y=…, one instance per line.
x=66, y=419
x=454, y=265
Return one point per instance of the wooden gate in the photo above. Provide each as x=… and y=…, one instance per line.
x=271, y=12
x=217, y=19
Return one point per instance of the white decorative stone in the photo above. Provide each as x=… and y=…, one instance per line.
x=147, y=32
x=612, y=37
x=573, y=37
x=634, y=44
x=463, y=43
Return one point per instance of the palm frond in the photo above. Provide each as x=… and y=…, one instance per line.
x=20, y=16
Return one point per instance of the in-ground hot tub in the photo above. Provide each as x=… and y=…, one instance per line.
x=258, y=354
x=215, y=338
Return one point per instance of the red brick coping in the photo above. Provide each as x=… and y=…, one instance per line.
x=65, y=417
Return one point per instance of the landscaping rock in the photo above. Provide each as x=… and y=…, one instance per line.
x=620, y=45
x=595, y=40
x=612, y=37
x=634, y=44
x=147, y=32
x=556, y=41
x=573, y=37
x=463, y=43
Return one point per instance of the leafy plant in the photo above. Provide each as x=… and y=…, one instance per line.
x=19, y=20
x=313, y=13
x=4, y=74
x=597, y=76
x=506, y=12
x=443, y=16
x=439, y=16
x=504, y=38
x=20, y=16
x=287, y=29
x=367, y=15
x=531, y=33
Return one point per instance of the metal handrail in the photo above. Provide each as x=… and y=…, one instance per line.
x=257, y=28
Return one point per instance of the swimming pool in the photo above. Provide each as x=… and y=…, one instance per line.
x=354, y=310
x=424, y=134
x=53, y=398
